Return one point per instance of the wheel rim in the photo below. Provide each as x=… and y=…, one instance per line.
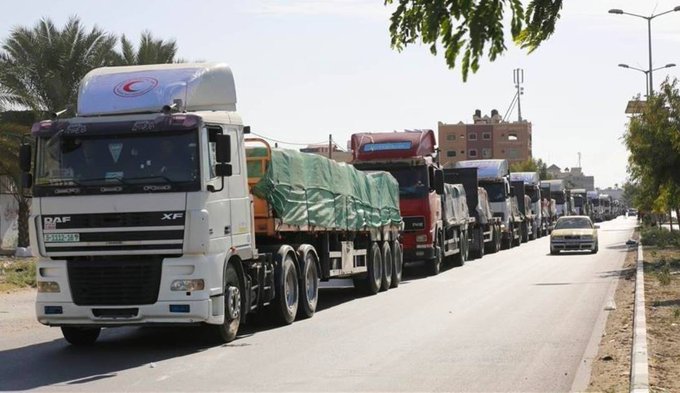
x=290, y=290
x=233, y=302
x=377, y=273
x=311, y=283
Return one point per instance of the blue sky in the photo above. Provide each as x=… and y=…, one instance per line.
x=306, y=69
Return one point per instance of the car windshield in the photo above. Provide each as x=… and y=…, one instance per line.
x=160, y=158
x=574, y=223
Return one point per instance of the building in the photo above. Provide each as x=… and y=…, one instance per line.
x=573, y=177
x=322, y=149
x=488, y=137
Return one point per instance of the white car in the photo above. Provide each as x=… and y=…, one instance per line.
x=574, y=233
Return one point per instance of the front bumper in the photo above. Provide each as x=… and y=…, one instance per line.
x=573, y=245
x=419, y=254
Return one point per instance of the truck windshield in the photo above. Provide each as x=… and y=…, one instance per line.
x=496, y=191
x=559, y=197
x=595, y=202
x=413, y=181
x=532, y=192
x=128, y=161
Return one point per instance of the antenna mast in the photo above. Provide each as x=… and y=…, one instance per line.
x=518, y=79
x=579, y=159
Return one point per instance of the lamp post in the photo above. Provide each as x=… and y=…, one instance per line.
x=647, y=72
x=649, y=37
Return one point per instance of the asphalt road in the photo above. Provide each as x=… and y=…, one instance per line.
x=519, y=320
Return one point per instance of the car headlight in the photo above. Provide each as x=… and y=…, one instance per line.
x=587, y=237
x=557, y=238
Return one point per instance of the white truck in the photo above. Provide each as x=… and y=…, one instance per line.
x=558, y=192
x=142, y=211
x=538, y=226
x=494, y=177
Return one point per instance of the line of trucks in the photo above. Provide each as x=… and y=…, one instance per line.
x=153, y=206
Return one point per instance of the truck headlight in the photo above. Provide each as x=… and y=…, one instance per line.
x=421, y=238
x=48, y=287
x=187, y=285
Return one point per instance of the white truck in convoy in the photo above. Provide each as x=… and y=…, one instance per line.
x=142, y=211
x=558, y=192
x=532, y=189
x=494, y=177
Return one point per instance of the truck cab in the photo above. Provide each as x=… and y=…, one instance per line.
x=558, y=192
x=494, y=177
x=533, y=191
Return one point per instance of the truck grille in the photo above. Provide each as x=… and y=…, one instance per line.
x=113, y=233
x=114, y=281
x=416, y=223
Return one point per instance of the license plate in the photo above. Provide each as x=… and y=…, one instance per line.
x=62, y=237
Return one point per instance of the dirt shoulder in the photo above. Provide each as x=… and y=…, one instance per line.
x=611, y=367
x=662, y=297
x=16, y=274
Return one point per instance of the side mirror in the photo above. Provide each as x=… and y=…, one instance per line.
x=439, y=181
x=223, y=170
x=597, y=227
x=25, y=157
x=223, y=148
x=26, y=180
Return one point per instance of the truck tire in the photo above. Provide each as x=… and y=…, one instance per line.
x=460, y=258
x=534, y=231
x=524, y=238
x=434, y=265
x=518, y=241
x=309, y=284
x=479, y=253
x=285, y=304
x=80, y=336
x=492, y=246
x=387, y=266
x=226, y=332
x=398, y=261
x=370, y=285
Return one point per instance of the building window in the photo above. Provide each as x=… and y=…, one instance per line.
x=462, y=152
x=462, y=136
x=513, y=154
x=451, y=137
x=486, y=153
x=451, y=153
x=486, y=136
x=472, y=153
x=513, y=136
x=472, y=136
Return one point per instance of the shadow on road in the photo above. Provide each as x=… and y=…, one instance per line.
x=57, y=363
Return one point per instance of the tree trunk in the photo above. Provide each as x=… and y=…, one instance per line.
x=670, y=221
x=24, y=211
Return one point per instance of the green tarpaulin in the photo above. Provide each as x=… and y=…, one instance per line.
x=311, y=190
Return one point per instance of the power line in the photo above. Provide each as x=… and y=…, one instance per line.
x=284, y=142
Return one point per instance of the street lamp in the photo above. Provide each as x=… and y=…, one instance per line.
x=647, y=72
x=617, y=11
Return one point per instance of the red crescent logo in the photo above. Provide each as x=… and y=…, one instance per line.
x=135, y=87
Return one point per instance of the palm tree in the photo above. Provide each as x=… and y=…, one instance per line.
x=150, y=51
x=11, y=136
x=41, y=67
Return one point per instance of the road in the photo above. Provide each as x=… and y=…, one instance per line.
x=519, y=320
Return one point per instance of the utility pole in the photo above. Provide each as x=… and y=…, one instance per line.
x=579, y=159
x=518, y=79
x=330, y=146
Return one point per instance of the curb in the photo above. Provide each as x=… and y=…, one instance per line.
x=639, y=370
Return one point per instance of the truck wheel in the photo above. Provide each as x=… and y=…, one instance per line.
x=492, y=246
x=480, y=249
x=525, y=233
x=80, y=336
x=398, y=261
x=534, y=231
x=459, y=259
x=309, y=286
x=226, y=332
x=370, y=285
x=435, y=264
x=285, y=305
x=387, y=266
x=518, y=241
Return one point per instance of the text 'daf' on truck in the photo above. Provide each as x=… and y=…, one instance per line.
x=430, y=235
x=494, y=177
x=143, y=213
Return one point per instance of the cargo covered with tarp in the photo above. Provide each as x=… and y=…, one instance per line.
x=455, y=207
x=311, y=192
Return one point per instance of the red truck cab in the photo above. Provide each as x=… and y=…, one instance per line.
x=409, y=157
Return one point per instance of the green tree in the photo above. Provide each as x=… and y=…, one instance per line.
x=150, y=51
x=41, y=67
x=466, y=27
x=653, y=139
x=532, y=165
x=11, y=136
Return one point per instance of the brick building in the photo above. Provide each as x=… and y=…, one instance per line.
x=488, y=137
